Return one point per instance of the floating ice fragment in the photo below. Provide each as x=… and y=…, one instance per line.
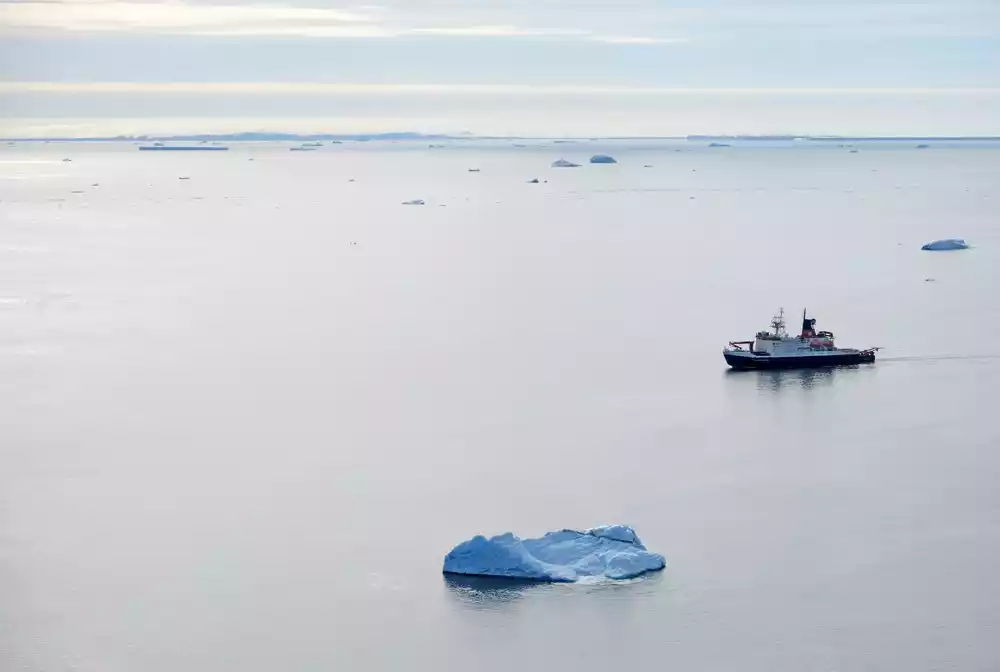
x=610, y=551
x=563, y=163
x=602, y=158
x=946, y=245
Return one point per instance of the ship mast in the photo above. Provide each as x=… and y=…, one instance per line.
x=778, y=322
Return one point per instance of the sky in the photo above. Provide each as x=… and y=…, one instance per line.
x=492, y=67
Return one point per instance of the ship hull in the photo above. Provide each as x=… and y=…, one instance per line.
x=750, y=362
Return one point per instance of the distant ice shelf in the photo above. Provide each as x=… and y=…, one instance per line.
x=609, y=551
x=182, y=148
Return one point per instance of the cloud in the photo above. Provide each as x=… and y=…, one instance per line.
x=180, y=17
x=95, y=15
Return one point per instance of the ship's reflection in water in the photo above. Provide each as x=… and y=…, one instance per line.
x=807, y=379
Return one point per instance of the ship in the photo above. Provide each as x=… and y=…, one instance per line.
x=776, y=349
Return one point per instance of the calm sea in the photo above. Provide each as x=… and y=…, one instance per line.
x=248, y=401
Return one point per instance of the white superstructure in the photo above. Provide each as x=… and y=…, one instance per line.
x=778, y=343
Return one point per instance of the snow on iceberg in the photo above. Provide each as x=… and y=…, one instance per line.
x=609, y=551
x=946, y=244
x=602, y=158
x=563, y=163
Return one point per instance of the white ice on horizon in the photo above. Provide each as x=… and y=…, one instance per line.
x=608, y=551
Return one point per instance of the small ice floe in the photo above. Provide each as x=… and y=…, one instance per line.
x=610, y=552
x=533, y=181
x=415, y=201
x=945, y=245
x=563, y=163
x=602, y=158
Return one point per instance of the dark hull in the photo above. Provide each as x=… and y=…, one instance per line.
x=806, y=362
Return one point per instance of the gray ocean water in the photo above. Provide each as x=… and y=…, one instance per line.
x=244, y=415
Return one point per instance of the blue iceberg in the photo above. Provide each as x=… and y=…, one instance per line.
x=945, y=245
x=602, y=158
x=609, y=551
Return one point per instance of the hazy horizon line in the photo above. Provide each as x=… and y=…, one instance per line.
x=283, y=136
x=266, y=87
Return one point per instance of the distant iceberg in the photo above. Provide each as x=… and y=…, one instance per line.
x=533, y=181
x=563, y=163
x=602, y=158
x=609, y=551
x=945, y=245
x=416, y=201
